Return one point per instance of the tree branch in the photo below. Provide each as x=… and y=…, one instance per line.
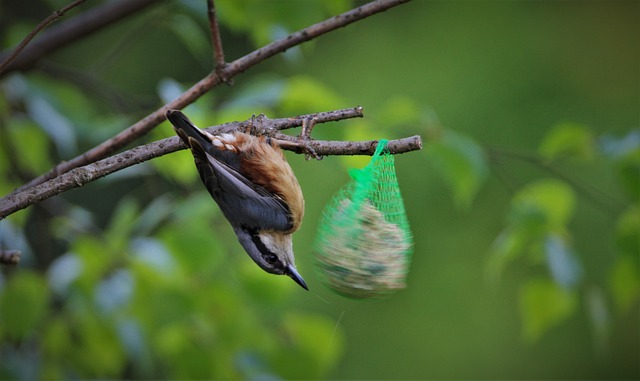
x=196, y=91
x=262, y=125
x=216, y=41
x=53, y=17
x=65, y=33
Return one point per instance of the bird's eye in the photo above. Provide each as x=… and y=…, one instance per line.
x=271, y=258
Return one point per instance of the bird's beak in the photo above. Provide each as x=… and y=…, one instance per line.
x=293, y=273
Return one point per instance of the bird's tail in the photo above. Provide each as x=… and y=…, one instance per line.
x=184, y=128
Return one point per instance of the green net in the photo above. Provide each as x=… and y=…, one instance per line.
x=363, y=246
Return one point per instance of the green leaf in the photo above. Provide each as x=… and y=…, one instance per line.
x=399, y=111
x=303, y=94
x=509, y=244
x=31, y=145
x=56, y=339
x=102, y=355
x=23, y=304
x=122, y=223
x=624, y=281
x=568, y=140
x=544, y=305
x=551, y=199
x=461, y=162
x=628, y=232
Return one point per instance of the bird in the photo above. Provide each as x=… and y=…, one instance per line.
x=254, y=187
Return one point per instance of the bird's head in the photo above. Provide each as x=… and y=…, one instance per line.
x=272, y=251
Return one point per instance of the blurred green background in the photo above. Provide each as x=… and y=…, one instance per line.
x=524, y=202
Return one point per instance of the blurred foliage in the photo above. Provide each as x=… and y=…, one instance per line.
x=138, y=275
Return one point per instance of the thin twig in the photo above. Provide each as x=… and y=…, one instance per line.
x=604, y=202
x=204, y=85
x=216, y=40
x=65, y=33
x=43, y=24
x=79, y=176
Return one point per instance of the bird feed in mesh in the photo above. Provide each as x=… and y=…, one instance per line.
x=364, y=244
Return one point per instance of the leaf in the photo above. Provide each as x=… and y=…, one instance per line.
x=102, y=355
x=627, y=235
x=551, y=199
x=544, y=305
x=303, y=94
x=624, y=281
x=505, y=248
x=568, y=140
x=461, y=162
x=23, y=304
x=562, y=263
x=122, y=223
x=625, y=152
x=31, y=146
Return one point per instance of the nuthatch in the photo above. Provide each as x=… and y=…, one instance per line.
x=255, y=188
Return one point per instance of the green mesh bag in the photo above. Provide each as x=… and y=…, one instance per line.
x=363, y=245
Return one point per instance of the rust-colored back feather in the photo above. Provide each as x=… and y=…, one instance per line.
x=264, y=164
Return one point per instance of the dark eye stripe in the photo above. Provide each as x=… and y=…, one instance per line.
x=267, y=254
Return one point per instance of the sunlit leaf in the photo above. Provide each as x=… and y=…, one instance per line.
x=461, y=162
x=31, y=146
x=552, y=199
x=122, y=223
x=102, y=354
x=178, y=167
x=544, y=305
x=399, y=111
x=95, y=259
x=23, y=304
x=303, y=94
x=568, y=140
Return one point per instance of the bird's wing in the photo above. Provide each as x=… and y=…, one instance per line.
x=242, y=202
